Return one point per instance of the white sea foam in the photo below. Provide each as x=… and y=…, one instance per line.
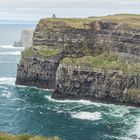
x=6, y=93
x=10, y=47
x=7, y=80
x=118, y=111
x=41, y=89
x=11, y=53
x=87, y=116
x=135, y=131
x=85, y=102
x=60, y=111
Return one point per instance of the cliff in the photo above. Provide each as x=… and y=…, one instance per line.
x=25, y=39
x=94, y=58
x=96, y=84
x=38, y=67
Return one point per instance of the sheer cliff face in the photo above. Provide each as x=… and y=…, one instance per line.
x=37, y=72
x=96, y=85
x=92, y=37
x=78, y=38
x=118, y=37
x=74, y=41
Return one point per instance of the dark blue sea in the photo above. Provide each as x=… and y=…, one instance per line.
x=33, y=111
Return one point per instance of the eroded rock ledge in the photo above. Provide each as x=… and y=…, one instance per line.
x=94, y=58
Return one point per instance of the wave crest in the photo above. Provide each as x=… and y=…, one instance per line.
x=10, y=47
x=7, y=80
x=87, y=116
x=85, y=102
x=11, y=53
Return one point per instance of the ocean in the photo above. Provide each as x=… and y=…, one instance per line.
x=33, y=111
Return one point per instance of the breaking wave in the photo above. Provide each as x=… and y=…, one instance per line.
x=134, y=133
x=11, y=53
x=87, y=116
x=10, y=47
x=6, y=94
x=7, y=80
x=85, y=102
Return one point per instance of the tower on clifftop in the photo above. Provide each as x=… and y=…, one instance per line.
x=53, y=16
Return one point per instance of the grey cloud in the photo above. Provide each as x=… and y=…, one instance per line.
x=35, y=9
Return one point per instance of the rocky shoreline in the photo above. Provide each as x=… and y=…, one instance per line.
x=93, y=59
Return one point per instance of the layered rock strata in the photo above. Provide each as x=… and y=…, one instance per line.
x=77, y=38
x=37, y=72
x=93, y=84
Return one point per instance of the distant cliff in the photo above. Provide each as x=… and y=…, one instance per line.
x=25, y=39
x=94, y=58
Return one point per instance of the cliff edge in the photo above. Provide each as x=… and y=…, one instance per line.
x=93, y=58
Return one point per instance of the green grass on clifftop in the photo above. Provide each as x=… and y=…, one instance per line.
x=4, y=136
x=132, y=20
x=40, y=51
x=134, y=91
x=104, y=61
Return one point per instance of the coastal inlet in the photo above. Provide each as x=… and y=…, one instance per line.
x=31, y=110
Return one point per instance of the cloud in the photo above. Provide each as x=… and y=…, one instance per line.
x=36, y=9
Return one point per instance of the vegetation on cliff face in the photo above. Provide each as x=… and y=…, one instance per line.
x=5, y=136
x=40, y=51
x=132, y=20
x=105, y=61
x=134, y=95
x=98, y=56
x=134, y=90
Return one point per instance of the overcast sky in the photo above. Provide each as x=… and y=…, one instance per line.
x=36, y=9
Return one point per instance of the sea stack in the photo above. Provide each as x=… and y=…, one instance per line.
x=25, y=39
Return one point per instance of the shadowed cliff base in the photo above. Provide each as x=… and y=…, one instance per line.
x=94, y=57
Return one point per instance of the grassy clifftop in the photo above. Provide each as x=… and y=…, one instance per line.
x=5, y=136
x=71, y=39
x=105, y=62
x=132, y=20
x=40, y=51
